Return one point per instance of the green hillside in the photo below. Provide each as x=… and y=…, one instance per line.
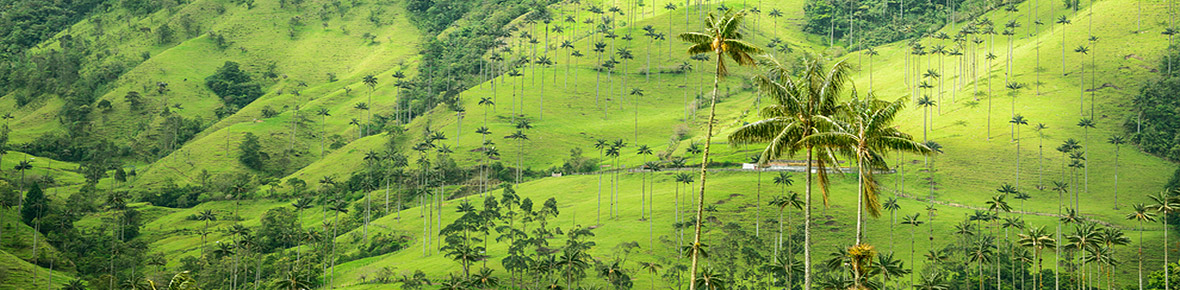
x=142, y=190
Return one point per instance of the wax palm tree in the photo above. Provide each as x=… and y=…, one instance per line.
x=1085, y=237
x=599, y=48
x=641, y=151
x=650, y=267
x=1086, y=124
x=23, y=166
x=1140, y=214
x=544, y=62
x=687, y=180
x=1063, y=21
x=915, y=222
x=710, y=280
x=925, y=102
x=601, y=145
x=1038, y=239
x=1016, y=122
x=1082, y=49
x=613, y=153
x=300, y=205
x=371, y=82
x=1164, y=204
x=1040, y=128
x=323, y=113
x=206, y=216
x=870, y=52
x=783, y=202
x=800, y=104
x=568, y=45
x=1109, y=237
x=292, y=281
x=892, y=206
x=1117, y=141
x=933, y=280
x=981, y=253
x=722, y=36
x=636, y=94
x=866, y=133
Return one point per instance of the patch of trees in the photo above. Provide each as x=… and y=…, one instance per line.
x=252, y=155
x=171, y=195
x=1155, y=126
x=235, y=87
x=453, y=62
x=75, y=149
x=25, y=24
x=876, y=22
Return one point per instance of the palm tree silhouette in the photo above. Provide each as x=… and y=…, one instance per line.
x=23, y=166
x=643, y=150
x=323, y=113
x=1063, y=21
x=1086, y=125
x=636, y=94
x=1018, y=121
x=1040, y=128
x=599, y=48
x=925, y=102
x=912, y=220
x=371, y=82
x=545, y=62
x=892, y=206
x=1082, y=49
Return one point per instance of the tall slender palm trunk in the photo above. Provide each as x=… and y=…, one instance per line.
x=696, y=243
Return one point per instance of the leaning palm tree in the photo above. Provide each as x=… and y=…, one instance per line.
x=864, y=130
x=1141, y=213
x=1164, y=204
x=722, y=36
x=800, y=104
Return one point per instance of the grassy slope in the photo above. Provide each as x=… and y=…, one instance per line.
x=966, y=174
x=975, y=166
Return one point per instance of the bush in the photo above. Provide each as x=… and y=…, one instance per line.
x=233, y=85
x=252, y=155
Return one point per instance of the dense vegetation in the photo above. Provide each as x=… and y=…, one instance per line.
x=1156, y=127
x=869, y=23
x=454, y=60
